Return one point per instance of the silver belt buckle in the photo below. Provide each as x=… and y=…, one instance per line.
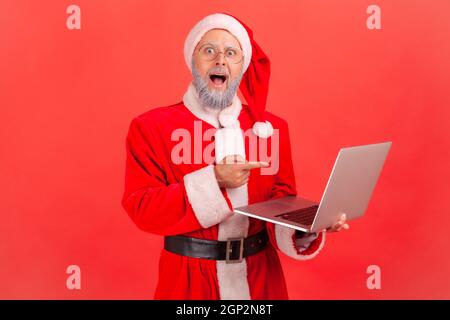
x=230, y=250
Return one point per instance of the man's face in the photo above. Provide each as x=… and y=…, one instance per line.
x=216, y=68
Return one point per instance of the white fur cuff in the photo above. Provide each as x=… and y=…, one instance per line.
x=284, y=237
x=205, y=197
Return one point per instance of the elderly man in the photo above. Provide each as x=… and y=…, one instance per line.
x=209, y=251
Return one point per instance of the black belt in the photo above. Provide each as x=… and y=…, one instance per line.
x=233, y=250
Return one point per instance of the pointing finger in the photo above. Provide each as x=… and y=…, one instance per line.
x=254, y=165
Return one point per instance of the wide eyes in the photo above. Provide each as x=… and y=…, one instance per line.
x=210, y=52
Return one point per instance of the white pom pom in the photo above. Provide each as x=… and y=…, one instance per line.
x=263, y=129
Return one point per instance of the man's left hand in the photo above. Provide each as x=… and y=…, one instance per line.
x=340, y=224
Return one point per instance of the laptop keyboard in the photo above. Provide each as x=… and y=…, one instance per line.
x=304, y=216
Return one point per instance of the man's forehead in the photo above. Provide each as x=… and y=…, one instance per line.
x=220, y=36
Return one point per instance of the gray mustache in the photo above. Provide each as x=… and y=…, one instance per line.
x=217, y=70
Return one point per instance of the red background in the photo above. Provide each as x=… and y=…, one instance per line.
x=68, y=96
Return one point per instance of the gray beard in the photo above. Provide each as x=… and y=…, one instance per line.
x=214, y=98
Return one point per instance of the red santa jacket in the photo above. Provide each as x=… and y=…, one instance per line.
x=171, y=192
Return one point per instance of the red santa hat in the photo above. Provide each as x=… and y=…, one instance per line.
x=255, y=80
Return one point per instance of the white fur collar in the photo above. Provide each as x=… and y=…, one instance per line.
x=225, y=118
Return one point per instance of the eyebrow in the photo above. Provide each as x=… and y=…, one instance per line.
x=215, y=44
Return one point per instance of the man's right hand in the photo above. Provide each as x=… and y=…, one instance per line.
x=233, y=171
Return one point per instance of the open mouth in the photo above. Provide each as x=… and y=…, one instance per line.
x=218, y=80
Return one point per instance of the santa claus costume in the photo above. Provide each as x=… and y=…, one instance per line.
x=184, y=199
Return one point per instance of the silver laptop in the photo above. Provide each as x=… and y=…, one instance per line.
x=349, y=188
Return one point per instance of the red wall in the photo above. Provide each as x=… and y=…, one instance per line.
x=67, y=97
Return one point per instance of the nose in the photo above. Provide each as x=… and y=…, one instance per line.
x=220, y=59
